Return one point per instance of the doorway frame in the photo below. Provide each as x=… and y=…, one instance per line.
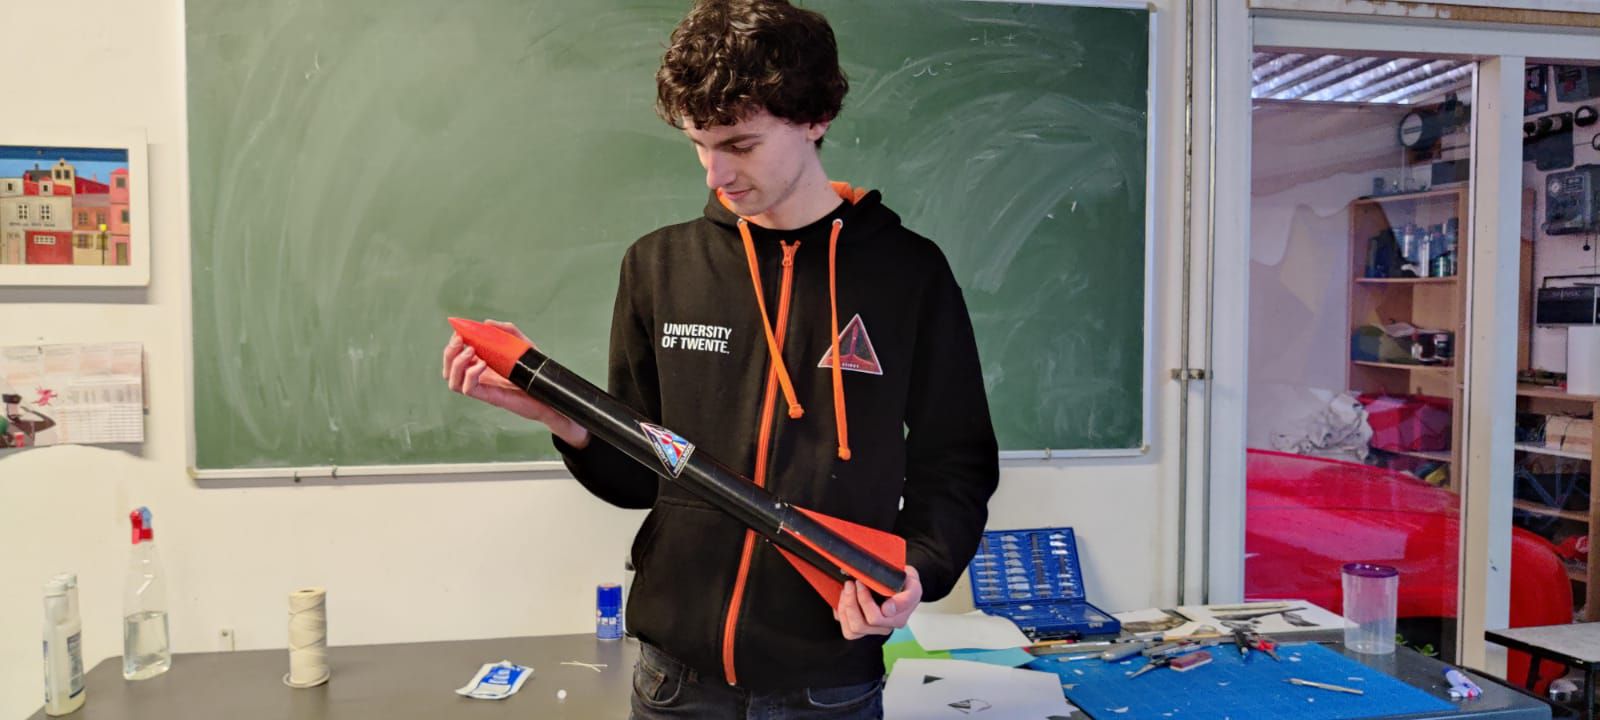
x=1501, y=54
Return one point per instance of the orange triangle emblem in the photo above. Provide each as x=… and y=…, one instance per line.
x=855, y=350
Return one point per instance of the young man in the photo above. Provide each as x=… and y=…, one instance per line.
x=800, y=334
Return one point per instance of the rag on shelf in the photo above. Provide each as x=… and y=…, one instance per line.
x=1339, y=430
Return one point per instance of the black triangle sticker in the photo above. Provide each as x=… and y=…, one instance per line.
x=855, y=350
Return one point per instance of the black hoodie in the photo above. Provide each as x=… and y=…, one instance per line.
x=689, y=349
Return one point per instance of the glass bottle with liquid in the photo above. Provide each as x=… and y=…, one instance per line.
x=146, y=643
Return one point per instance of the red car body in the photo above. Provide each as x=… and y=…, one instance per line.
x=1307, y=516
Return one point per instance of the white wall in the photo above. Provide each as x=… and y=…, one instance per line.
x=1559, y=254
x=403, y=560
x=1308, y=163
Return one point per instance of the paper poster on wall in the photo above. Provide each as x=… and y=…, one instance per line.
x=71, y=394
x=73, y=210
x=1576, y=83
x=1535, y=91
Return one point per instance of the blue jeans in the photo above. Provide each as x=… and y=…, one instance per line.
x=664, y=688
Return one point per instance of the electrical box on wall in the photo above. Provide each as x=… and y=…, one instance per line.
x=1571, y=200
x=1577, y=82
x=1579, y=305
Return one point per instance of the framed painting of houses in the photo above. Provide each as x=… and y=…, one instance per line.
x=74, y=208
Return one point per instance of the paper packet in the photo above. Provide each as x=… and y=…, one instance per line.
x=496, y=681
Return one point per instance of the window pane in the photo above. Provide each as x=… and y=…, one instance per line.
x=1359, y=236
x=1558, y=347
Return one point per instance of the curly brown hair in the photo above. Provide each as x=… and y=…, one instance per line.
x=730, y=57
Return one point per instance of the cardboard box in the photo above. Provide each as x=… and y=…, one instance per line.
x=1573, y=434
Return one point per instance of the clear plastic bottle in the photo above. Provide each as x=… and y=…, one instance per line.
x=146, y=643
x=63, y=647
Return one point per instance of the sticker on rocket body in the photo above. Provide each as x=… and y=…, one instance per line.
x=674, y=451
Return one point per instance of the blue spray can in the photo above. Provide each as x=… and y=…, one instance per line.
x=608, y=611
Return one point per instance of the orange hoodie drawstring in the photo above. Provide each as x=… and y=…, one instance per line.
x=839, y=421
x=795, y=411
x=841, y=424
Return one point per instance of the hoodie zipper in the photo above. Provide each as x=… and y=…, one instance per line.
x=763, y=445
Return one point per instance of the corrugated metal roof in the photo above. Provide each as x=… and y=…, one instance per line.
x=1341, y=78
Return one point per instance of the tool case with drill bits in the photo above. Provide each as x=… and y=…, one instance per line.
x=1033, y=578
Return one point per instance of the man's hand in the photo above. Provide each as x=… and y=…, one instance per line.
x=468, y=374
x=859, y=616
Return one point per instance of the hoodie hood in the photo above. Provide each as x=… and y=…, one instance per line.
x=866, y=213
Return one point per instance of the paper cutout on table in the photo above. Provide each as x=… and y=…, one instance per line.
x=1308, y=618
x=903, y=644
x=71, y=394
x=1011, y=657
x=971, y=705
x=961, y=689
x=974, y=630
x=1152, y=621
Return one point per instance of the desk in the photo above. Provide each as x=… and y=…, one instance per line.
x=1196, y=695
x=391, y=682
x=1499, y=701
x=1576, y=646
x=418, y=680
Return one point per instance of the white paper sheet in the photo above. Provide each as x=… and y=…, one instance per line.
x=1309, y=619
x=974, y=630
x=954, y=689
x=82, y=394
x=1155, y=621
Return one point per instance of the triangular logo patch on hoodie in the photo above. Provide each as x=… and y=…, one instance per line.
x=855, y=350
x=673, y=450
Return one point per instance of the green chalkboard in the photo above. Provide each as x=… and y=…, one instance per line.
x=360, y=169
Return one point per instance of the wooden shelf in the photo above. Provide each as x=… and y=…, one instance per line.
x=1443, y=456
x=1410, y=196
x=1547, y=511
x=1554, y=393
x=1547, y=399
x=1406, y=281
x=1443, y=369
x=1558, y=452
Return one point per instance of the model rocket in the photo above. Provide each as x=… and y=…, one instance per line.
x=826, y=550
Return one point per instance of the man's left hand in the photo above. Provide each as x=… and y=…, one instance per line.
x=859, y=615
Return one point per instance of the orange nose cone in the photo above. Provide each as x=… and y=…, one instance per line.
x=497, y=347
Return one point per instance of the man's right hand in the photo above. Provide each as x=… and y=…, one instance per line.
x=468, y=374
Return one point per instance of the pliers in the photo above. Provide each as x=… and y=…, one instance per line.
x=1248, y=640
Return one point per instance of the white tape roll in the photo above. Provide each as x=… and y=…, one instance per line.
x=308, y=638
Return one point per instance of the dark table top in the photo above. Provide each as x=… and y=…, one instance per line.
x=1498, y=702
x=418, y=680
x=399, y=682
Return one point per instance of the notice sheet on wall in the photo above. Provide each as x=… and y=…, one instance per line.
x=78, y=394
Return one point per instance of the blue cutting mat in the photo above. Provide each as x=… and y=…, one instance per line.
x=1232, y=688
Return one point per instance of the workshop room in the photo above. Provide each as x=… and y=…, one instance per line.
x=905, y=359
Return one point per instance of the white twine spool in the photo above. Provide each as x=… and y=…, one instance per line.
x=308, y=638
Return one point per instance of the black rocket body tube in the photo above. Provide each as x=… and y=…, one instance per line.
x=835, y=548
